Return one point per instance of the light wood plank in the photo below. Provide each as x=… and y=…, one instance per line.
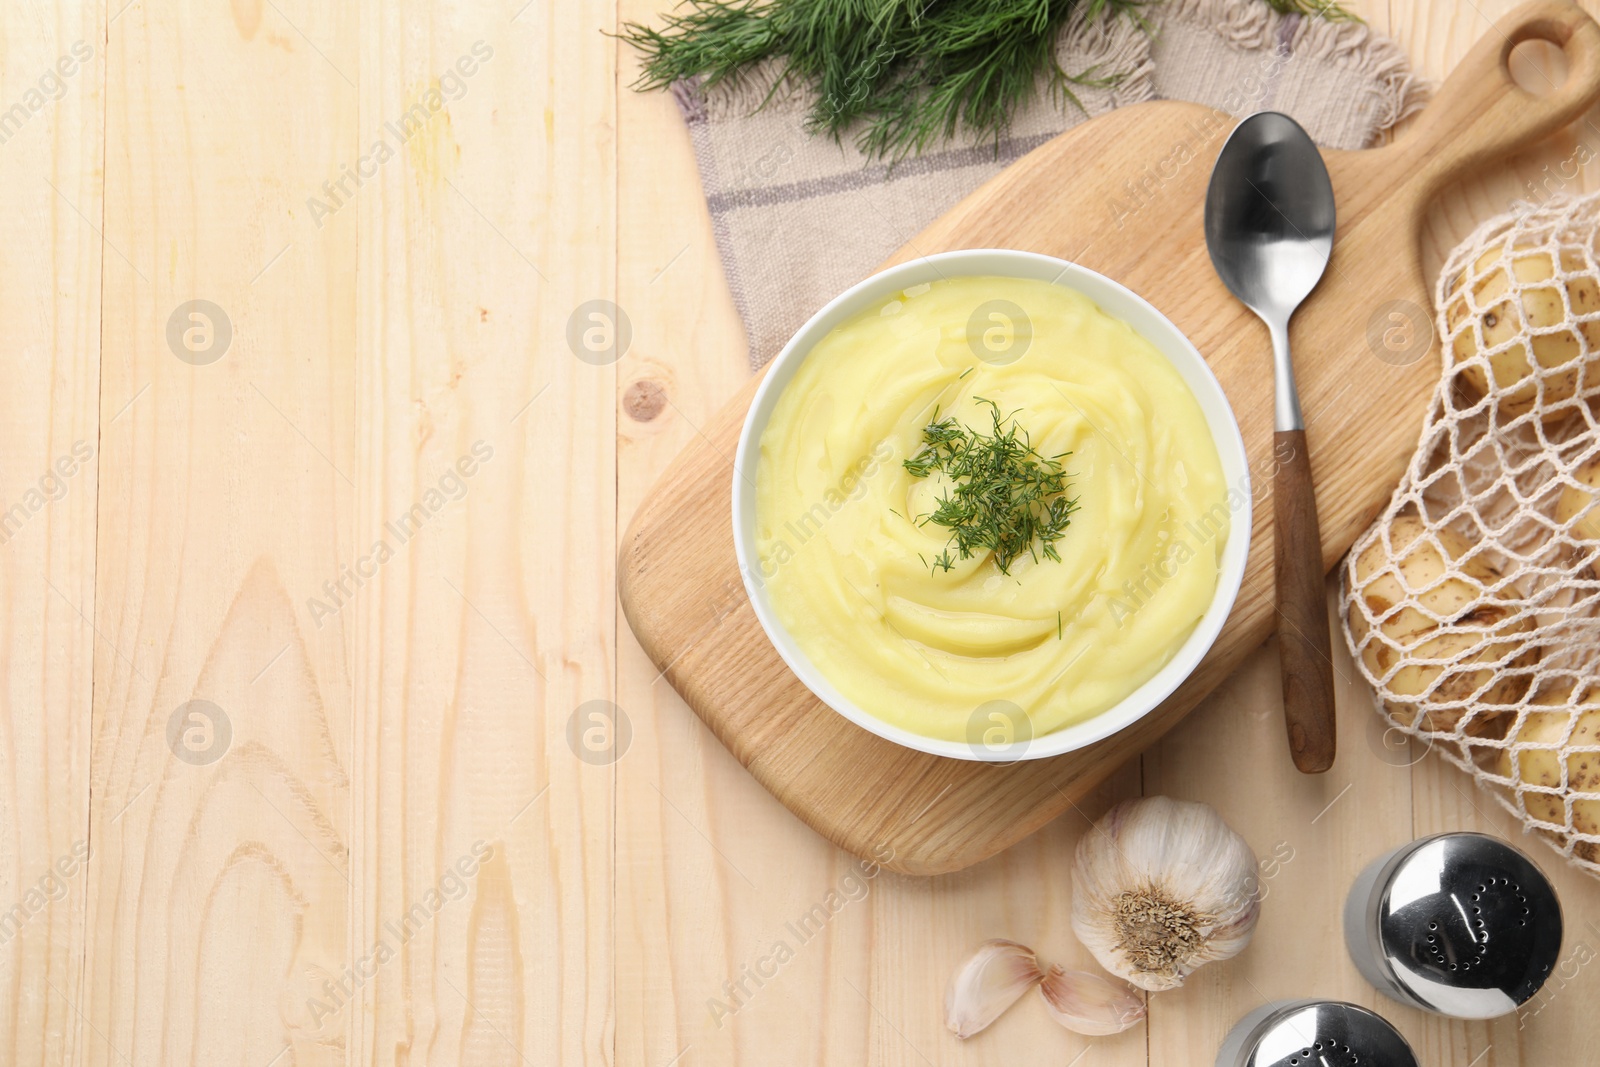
x=688, y=817
x=221, y=884
x=496, y=620
x=52, y=114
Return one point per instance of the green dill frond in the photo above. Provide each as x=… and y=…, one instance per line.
x=896, y=75
x=1004, y=497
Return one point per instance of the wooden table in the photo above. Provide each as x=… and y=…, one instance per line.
x=328, y=791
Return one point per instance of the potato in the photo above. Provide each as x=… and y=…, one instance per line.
x=1414, y=632
x=1502, y=319
x=1575, y=500
x=1543, y=766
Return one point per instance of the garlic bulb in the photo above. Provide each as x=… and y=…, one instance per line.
x=987, y=984
x=1088, y=1004
x=1161, y=886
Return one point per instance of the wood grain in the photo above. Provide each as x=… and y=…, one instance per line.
x=689, y=819
x=860, y=791
x=489, y=630
x=1302, y=629
x=51, y=264
x=220, y=891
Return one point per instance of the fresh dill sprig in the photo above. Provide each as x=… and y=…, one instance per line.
x=1004, y=497
x=898, y=75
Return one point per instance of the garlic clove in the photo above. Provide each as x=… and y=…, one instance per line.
x=1160, y=887
x=988, y=983
x=1088, y=1004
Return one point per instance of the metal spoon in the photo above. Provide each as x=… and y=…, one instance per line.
x=1269, y=228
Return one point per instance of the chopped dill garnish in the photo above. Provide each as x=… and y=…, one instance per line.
x=963, y=374
x=1058, y=626
x=1004, y=497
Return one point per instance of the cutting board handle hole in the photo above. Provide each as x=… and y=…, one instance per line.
x=1537, y=66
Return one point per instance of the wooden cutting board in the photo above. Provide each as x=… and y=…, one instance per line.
x=1121, y=194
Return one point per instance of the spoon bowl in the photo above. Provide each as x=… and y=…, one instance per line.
x=1270, y=215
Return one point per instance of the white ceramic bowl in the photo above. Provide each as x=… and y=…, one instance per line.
x=1117, y=301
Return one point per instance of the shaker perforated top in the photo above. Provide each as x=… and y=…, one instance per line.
x=1459, y=924
x=1315, y=1033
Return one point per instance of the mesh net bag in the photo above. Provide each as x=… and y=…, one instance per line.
x=1472, y=605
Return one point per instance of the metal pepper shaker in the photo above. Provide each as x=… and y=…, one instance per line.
x=1458, y=924
x=1314, y=1033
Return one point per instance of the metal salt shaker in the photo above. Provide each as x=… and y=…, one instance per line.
x=1314, y=1033
x=1458, y=924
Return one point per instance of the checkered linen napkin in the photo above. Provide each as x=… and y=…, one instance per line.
x=799, y=218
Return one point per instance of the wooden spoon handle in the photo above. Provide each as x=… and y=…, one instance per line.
x=1304, y=648
x=1480, y=114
